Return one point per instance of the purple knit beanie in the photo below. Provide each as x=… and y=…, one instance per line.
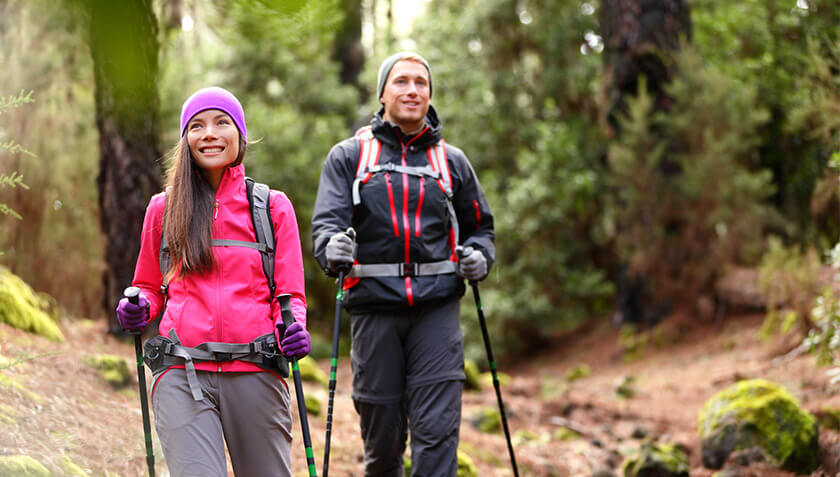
x=214, y=98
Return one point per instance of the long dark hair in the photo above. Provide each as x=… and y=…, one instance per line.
x=188, y=219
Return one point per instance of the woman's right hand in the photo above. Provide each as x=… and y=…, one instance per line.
x=133, y=317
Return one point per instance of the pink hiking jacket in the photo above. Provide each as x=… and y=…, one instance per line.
x=230, y=303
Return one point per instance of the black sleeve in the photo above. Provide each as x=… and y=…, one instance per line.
x=475, y=219
x=333, y=210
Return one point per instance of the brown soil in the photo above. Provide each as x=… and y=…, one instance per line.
x=65, y=408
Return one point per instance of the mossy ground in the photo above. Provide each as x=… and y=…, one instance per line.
x=24, y=309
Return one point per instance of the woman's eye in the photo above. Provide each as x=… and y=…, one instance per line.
x=195, y=126
x=223, y=121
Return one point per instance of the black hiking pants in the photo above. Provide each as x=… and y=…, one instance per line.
x=408, y=375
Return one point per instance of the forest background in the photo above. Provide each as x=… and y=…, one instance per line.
x=634, y=153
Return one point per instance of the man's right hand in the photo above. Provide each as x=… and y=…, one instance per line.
x=339, y=250
x=133, y=317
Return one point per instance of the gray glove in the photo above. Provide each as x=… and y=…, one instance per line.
x=340, y=249
x=473, y=265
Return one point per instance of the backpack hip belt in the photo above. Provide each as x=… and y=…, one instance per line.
x=161, y=353
x=413, y=269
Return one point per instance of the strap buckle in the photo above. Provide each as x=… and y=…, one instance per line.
x=224, y=356
x=409, y=269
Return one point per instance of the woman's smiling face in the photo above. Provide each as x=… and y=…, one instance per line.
x=214, y=141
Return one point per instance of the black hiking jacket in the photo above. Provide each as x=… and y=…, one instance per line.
x=388, y=222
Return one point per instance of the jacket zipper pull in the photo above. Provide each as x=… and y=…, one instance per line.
x=216, y=210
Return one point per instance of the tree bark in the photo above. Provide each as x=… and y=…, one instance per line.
x=124, y=47
x=639, y=39
x=348, y=45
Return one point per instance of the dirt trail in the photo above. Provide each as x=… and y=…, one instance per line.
x=64, y=408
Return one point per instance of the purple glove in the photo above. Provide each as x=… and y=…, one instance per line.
x=295, y=342
x=133, y=317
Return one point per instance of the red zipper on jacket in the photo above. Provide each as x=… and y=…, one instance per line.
x=406, y=225
x=419, y=206
x=391, y=201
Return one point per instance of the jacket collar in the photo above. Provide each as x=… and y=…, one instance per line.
x=390, y=134
x=232, y=180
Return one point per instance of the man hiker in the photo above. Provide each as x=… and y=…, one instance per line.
x=411, y=199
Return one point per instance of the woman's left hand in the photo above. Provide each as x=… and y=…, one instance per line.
x=295, y=343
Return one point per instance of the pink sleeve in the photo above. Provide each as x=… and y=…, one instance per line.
x=288, y=258
x=147, y=274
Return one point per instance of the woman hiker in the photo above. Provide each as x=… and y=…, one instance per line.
x=218, y=376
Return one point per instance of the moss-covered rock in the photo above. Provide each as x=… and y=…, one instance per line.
x=309, y=371
x=21, y=466
x=313, y=404
x=70, y=468
x=528, y=437
x=758, y=414
x=661, y=460
x=473, y=376
x=22, y=308
x=488, y=420
x=577, y=372
x=828, y=418
x=114, y=369
x=466, y=467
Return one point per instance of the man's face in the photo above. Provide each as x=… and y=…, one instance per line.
x=406, y=95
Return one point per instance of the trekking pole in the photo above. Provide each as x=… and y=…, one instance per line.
x=486, y=336
x=133, y=293
x=339, y=296
x=288, y=319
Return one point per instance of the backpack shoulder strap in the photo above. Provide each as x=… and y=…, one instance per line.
x=369, y=151
x=258, y=200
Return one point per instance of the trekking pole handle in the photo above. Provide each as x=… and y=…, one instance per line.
x=133, y=295
x=460, y=250
x=345, y=267
x=285, y=311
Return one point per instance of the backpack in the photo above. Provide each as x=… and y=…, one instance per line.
x=258, y=200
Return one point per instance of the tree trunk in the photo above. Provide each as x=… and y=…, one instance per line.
x=639, y=39
x=348, y=45
x=124, y=47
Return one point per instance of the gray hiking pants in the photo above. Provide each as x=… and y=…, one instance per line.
x=408, y=374
x=249, y=411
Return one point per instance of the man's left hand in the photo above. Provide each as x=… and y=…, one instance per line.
x=473, y=264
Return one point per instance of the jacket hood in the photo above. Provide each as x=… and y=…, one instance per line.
x=390, y=133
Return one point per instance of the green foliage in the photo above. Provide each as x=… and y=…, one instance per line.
x=758, y=413
x=22, y=466
x=625, y=387
x=13, y=179
x=70, y=468
x=689, y=196
x=22, y=308
x=114, y=369
x=577, y=372
x=656, y=459
x=823, y=339
x=789, y=279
